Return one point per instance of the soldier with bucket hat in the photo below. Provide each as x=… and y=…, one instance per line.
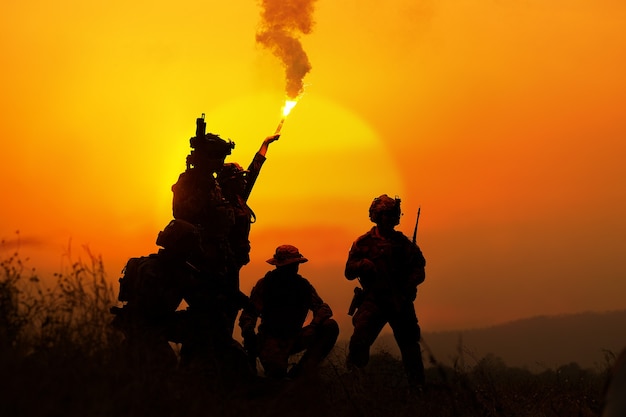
x=282, y=299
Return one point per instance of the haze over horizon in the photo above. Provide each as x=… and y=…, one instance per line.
x=503, y=121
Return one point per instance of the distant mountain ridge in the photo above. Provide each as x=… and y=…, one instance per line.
x=536, y=343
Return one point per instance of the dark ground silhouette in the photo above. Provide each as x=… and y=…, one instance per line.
x=59, y=356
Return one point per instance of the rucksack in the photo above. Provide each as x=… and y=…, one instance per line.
x=131, y=280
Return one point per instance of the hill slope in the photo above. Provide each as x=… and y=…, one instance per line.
x=535, y=343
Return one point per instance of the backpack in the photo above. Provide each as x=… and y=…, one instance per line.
x=131, y=280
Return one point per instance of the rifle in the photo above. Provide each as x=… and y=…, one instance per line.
x=416, y=223
x=357, y=300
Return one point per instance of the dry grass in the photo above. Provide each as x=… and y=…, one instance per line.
x=59, y=357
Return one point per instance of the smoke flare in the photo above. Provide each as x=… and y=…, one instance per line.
x=282, y=23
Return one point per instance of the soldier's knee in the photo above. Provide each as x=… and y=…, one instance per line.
x=329, y=329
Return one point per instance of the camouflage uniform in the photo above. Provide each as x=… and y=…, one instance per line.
x=389, y=267
x=283, y=299
x=152, y=288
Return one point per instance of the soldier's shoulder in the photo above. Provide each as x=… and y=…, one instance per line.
x=261, y=282
x=180, y=182
x=398, y=235
x=303, y=280
x=183, y=176
x=193, y=175
x=365, y=236
x=303, y=285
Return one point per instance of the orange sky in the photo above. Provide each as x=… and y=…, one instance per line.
x=503, y=120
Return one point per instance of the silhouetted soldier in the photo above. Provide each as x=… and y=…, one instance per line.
x=236, y=184
x=282, y=299
x=389, y=267
x=151, y=289
x=198, y=199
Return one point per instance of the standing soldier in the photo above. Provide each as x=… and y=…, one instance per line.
x=283, y=299
x=198, y=199
x=389, y=267
x=151, y=289
x=236, y=184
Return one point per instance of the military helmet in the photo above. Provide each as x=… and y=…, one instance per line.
x=212, y=144
x=229, y=171
x=387, y=205
x=179, y=236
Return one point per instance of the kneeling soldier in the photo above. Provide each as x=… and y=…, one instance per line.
x=282, y=299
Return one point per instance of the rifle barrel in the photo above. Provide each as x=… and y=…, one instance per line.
x=419, y=209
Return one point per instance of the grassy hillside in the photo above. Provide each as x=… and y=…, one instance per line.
x=59, y=356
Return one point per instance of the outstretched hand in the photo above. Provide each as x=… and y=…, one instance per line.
x=266, y=143
x=271, y=139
